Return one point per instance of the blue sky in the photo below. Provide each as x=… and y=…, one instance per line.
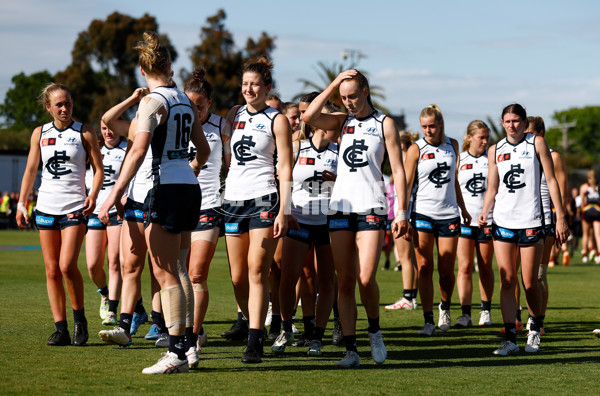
x=470, y=57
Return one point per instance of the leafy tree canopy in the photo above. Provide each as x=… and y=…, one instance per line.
x=21, y=110
x=104, y=66
x=583, y=142
x=223, y=62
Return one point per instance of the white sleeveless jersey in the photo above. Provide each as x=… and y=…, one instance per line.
x=310, y=194
x=592, y=196
x=112, y=159
x=209, y=176
x=518, y=202
x=143, y=180
x=253, y=148
x=473, y=180
x=359, y=187
x=170, y=140
x=546, y=200
x=434, y=192
x=63, y=169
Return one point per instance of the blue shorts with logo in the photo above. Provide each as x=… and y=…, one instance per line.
x=479, y=234
x=134, y=211
x=448, y=228
x=44, y=221
x=370, y=221
x=310, y=233
x=94, y=222
x=522, y=237
x=242, y=216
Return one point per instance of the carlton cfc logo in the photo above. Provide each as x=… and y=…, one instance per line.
x=55, y=167
x=475, y=185
x=512, y=178
x=353, y=155
x=440, y=175
x=241, y=150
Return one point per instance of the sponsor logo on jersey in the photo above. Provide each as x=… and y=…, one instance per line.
x=353, y=155
x=205, y=219
x=427, y=156
x=504, y=233
x=466, y=230
x=338, y=223
x=466, y=166
x=177, y=154
x=71, y=141
x=48, y=142
x=423, y=224
x=487, y=230
x=372, y=131
x=452, y=226
x=239, y=125
x=503, y=157
x=44, y=220
x=373, y=219
x=306, y=161
x=260, y=127
x=302, y=233
x=232, y=227
x=211, y=137
x=348, y=129
x=530, y=232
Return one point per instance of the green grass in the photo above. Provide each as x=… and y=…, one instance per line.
x=456, y=362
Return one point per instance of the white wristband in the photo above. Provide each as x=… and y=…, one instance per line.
x=402, y=215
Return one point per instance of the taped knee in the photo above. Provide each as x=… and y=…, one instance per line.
x=201, y=286
x=174, y=305
x=189, y=301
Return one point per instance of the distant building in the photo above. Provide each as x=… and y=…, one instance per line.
x=13, y=167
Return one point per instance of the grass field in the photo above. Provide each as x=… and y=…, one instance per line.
x=456, y=362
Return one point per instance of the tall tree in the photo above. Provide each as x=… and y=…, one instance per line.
x=328, y=73
x=223, y=62
x=103, y=69
x=583, y=139
x=20, y=110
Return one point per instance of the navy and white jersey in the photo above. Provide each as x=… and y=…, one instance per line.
x=546, y=200
x=112, y=159
x=310, y=193
x=473, y=180
x=63, y=169
x=171, y=140
x=253, y=148
x=518, y=202
x=593, y=197
x=208, y=178
x=434, y=191
x=143, y=180
x=359, y=187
